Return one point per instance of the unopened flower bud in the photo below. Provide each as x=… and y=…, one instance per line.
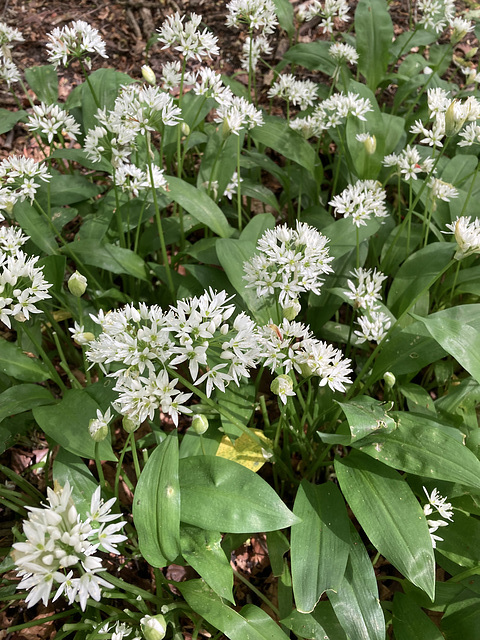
x=292, y=311
x=77, y=284
x=200, y=424
x=390, y=379
x=148, y=74
x=471, y=53
x=185, y=129
x=224, y=329
x=453, y=121
x=83, y=338
x=129, y=425
x=153, y=627
x=225, y=129
x=370, y=145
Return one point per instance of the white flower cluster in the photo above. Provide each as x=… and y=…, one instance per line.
x=11, y=239
x=441, y=190
x=9, y=34
x=467, y=235
x=449, y=117
x=9, y=72
x=137, y=109
x=288, y=262
x=186, y=37
x=257, y=14
x=332, y=112
x=236, y=113
x=73, y=42
x=365, y=294
x=22, y=284
x=232, y=186
x=132, y=179
x=436, y=14
x=58, y=542
x=259, y=46
x=443, y=508
x=361, y=201
x=8, y=69
x=292, y=347
x=409, y=163
x=53, y=122
x=298, y=92
x=113, y=631
x=342, y=52
x=18, y=180
x=146, y=340
x=327, y=11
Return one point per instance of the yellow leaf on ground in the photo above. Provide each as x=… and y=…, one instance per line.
x=245, y=450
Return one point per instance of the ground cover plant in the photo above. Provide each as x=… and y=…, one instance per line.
x=235, y=318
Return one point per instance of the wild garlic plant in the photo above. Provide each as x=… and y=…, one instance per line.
x=206, y=276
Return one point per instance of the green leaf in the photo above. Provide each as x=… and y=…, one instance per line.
x=262, y=623
x=69, y=189
x=108, y=256
x=374, y=30
x=260, y=193
x=68, y=467
x=366, y=416
x=80, y=156
x=14, y=362
x=418, y=399
x=43, y=81
x=8, y=119
x=219, y=160
x=202, y=550
x=356, y=602
x=460, y=340
x=216, y=490
x=53, y=271
x=278, y=546
x=277, y=135
x=23, y=397
x=156, y=504
x=207, y=604
x=320, y=543
x=284, y=11
x=390, y=515
x=410, y=622
x=67, y=424
x=417, y=272
x=36, y=226
x=460, y=540
x=322, y=624
x=199, y=205
x=240, y=402
x=312, y=55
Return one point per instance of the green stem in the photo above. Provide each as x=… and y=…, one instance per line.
x=98, y=464
x=135, y=455
x=258, y=593
x=239, y=189
x=45, y=359
x=64, y=364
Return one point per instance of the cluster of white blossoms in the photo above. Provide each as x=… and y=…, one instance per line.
x=74, y=42
x=11, y=239
x=327, y=11
x=145, y=341
x=19, y=178
x=443, y=508
x=60, y=548
x=253, y=49
x=436, y=14
x=342, y=52
x=331, y=113
x=132, y=179
x=409, y=163
x=137, y=109
x=467, y=236
x=288, y=263
x=232, y=186
x=365, y=294
x=53, y=122
x=257, y=14
x=449, y=117
x=22, y=284
x=187, y=38
x=236, y=113
x=298, y=92
x=290, y=346
x=360, y=202
x=440, y=190
x=9, y=72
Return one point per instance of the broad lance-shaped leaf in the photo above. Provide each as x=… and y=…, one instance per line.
x=409, y=621
x=203, y=551
x=23, y=397
x=222, y=493
x=356, y=603
x=374, y=29
x=320, y=543
x=156, y=505
x=419, y=448
x=254, y=625
x=460, y=340
x=390, y=515
x=366, y=415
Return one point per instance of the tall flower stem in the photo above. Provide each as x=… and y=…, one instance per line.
x=45, y=359
x=158, y=220
x=239, y=188
x=98, y=464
